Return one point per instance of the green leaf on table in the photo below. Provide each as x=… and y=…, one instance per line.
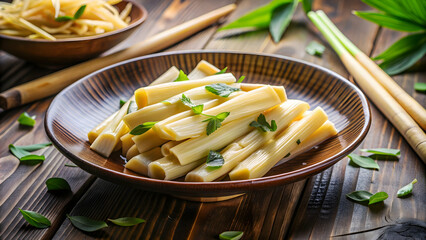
x=26, y=120
x=383, y=151
x=362, y=161
x=231, y=235
x=214, y=122
x=403, y=62
x=414, y=10
x=214, y=159
x=391, y=7
x=70, y=165
x=197, y=109
x=241, y=79
x=86, y=224
x=378, y=197
x=221, y=89
x=406, y=190
x=35, y=219
x=34, y=147
x=359, y=196
x=181, y=77
x=57, y=184
x=420, y=87
x=32, y=159
x=222, y=71
x=307, y=5
x=126, y=221
x=403, y=45
x=79, y=12
x=263, y=125
x=315, y=48
x=390, y=22
x=122, y=102
x=133, y=107
x=281, y=17
x=142, y=128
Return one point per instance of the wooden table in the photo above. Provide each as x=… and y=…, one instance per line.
x=313, y=208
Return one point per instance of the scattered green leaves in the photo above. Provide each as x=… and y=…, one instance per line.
x=126, y=221
x=215, y=159
x=221, y=89
x=263, y=125
x=35, y=219
x=24, y=155
x=406, y=190
x=420, y=87
x=315, y=48
x=122, y=102
x=214, y=122
x=307, y=5
x=241, y=79
x=86, y=224
x=281, y=17
x=26, y=120
x=362, y=161
x=383, y=151
x=57, y=184
x=181, y=77
x=231, y=235
x=197, y=109
x=389, y=21
x=32, y=159
x=133, y=107
x=76, y=16
x=222, y=71
x=364, y=196
x=142, y=128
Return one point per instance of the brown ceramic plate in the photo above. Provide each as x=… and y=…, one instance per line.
x=83, y=105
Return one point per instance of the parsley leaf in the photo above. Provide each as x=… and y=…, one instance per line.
x=215, y=122
x=26, y=120
x=222, y=71
x=182, y=77
x=263, y=125
x=221, y=89
x=406, y=190
x=197, y=109
x=142, y=128
x=215, y=159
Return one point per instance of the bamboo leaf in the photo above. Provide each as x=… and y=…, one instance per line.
x=86, y=224
x=35, y=219
x=231, y=235
x=405, y=44
x=127, y=221
x=383, y=151
x=391, y=22
x=281, y=17
x=403, y=62
x=391, y=7
x=364, y=162
x=307, y=5
x=420, y=87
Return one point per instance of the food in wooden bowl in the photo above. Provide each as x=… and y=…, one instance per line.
x=56, y=33
x=93, y=99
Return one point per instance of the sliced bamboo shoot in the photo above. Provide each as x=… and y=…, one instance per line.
x=202, y=70
x=252, y=86
x=94, y=133
x=148, y=141
x=168, y=168
x=133, y=151
x=126, y=143
x=165, y=148
x=140, y=162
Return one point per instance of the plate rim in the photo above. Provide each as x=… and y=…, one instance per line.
x=237, y=186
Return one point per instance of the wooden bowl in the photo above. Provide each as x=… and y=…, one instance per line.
x=64, y=52
x=83, y=105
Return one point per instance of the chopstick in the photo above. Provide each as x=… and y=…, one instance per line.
x=55, y=82
x=396, y=114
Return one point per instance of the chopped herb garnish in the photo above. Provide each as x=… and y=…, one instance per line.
x=197, y=109
x=362, y=161
x=222, y=71
x=364, y=196
x=263, y=125
x=142, y=128
x=122, y=102
x=241, y=79
x=406, y=190
x=298, y=141
x=86, y=224
x=215, y=159
x=214, y=122
x=26, y=120
x=231, y=235
x=221, y=89
x=24, y=155
x=182, y=77
x=383, y=151
x=288, y=155
x=420, y=87
x=126, y=221
x=57, y=184
x=133, y=107
x=76, y=16
x=314, y=48
x=35, y=219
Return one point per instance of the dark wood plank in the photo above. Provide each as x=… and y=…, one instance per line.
x=324, y=210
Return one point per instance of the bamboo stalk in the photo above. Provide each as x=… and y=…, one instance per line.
x=55, y=82
x=416, y=111
x=376, y=92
